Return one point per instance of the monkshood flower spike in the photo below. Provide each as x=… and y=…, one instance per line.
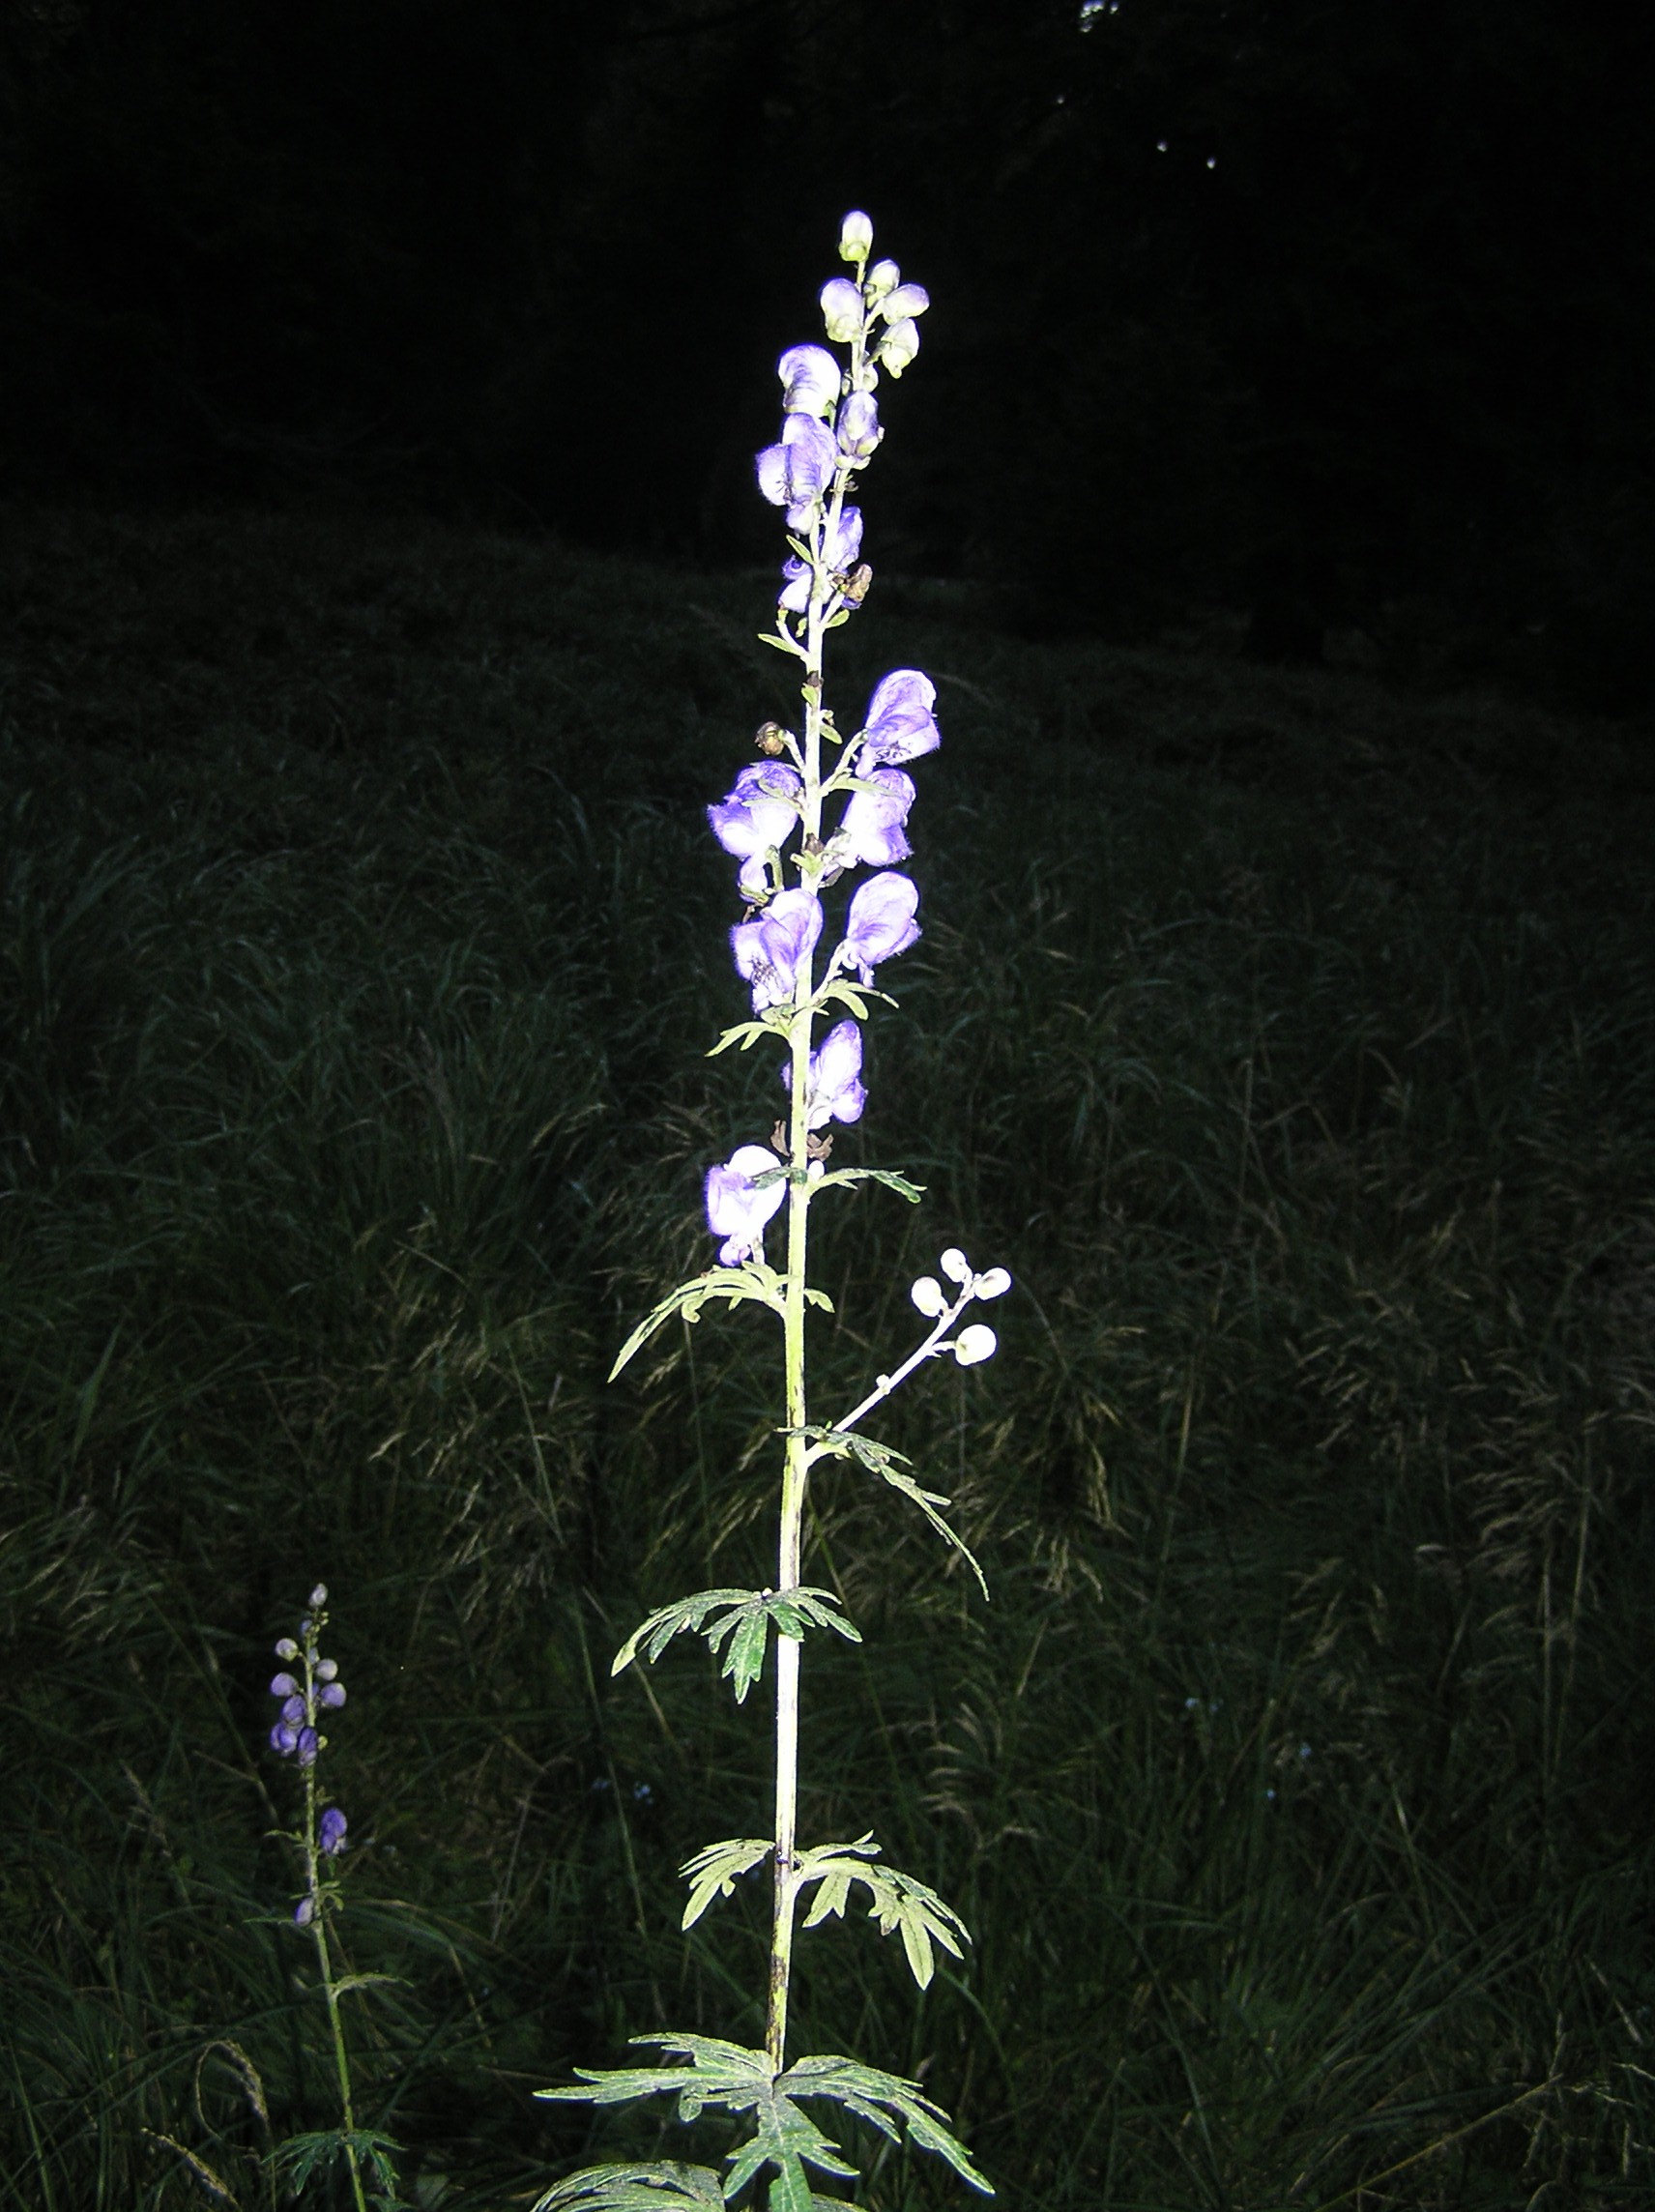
x=819, y=805
x=308, y=1691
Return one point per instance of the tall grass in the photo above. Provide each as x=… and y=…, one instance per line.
x=1290, y=1039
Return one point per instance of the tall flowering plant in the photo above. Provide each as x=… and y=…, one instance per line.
x=776, y=822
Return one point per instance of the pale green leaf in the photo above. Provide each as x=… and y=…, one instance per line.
x=743, y=1620
x=899, y=1902
x=883, y=2099
x=662, y=2187
x=889, y=1464
x=713, y=1872
x=911, y=1191
x=752, y=1281
x=746, y=1034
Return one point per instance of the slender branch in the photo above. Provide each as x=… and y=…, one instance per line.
x=929, y=1349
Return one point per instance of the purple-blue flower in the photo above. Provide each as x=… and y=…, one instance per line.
x=307, y=1746
x=795, y=472
x=833, y=1084
x=755, y=817
x=872, y=831
x=810, y=380
x=737, y=1212
x=331, y=1832
x=900, y=725
x=879, y=923
x=768, y=950
x=839, y=549
x=858, y=428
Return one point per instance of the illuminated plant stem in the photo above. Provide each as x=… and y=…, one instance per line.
x=795, y=1466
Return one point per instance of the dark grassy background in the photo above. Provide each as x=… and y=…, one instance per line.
x=1287, y=1033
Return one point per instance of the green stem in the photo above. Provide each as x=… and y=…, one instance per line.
x=797, y=1465
x=319, y=1934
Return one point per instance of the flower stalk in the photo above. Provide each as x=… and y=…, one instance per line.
x=774, y=824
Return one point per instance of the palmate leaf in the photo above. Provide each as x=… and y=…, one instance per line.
x=727, y=2077
x=899, y=1902
x=663, y=2187
x=752, y=1281
x=883, y=2100
x=712, y=1872
x=889, y=1464
x=743, y=1620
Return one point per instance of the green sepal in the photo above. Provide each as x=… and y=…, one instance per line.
x=744, y=1617
x=913, y=1192
x=712, y=1872
x=662, y=2187
x=889, y=1464
x=752, y=1281
x=900, y=1902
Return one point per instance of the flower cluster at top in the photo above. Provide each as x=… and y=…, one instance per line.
x=305, y=1699
x=831, y=430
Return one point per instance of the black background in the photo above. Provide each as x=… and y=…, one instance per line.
x=1322, y=313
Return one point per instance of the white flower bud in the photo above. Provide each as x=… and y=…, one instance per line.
x=899, y=347
x=319, y=1595
x=928, y=1295
x=955, y=1265
x=841, y=309
x=975, y=1344
x=906, y=299
x=882, y=277
x=992, y=1284
x=855, y=237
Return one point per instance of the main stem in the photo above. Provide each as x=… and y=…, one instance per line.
x=795, y=1466
x=794, y=1469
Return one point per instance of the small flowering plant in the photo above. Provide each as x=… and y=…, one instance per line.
x=310, y=1690
x=778, y=822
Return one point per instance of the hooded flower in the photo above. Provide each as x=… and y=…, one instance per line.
x=331, y=1832
x=768, y=950
x=872, y=829
x=840, y=547
x=834, y=1085
x=879, y=923
x=737, y=1212
x=900, y=724
x=899, y=348
x=841, y=309
x=795, y=472
x=810, y=380
x=755, y=817
x=908, y=299
x=857, y=427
